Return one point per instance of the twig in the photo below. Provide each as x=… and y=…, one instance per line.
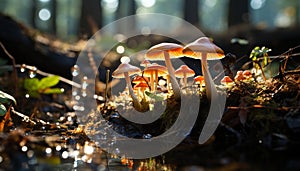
x=70, y=82
x=14, y=67
x=25, y=118
x=106, y=86
x=261, y=106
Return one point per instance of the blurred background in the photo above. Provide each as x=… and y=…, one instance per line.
x=70, y=20
x=237, y=26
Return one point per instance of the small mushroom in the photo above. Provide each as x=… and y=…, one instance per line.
x=227, y=81
x=124, y=71
x=154, y=71
x=184, y=72
x=145, y=63
x=239, y=76
x=142, y=86
x=199, y=80
x=165, y=51
x=204, y=49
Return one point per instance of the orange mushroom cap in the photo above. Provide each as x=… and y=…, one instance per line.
x=157, y=52
x=247, y=73
x=226, y=80
x=141, y=85
x=161, y=70
x=184, y=69
x=199, y=79
x=137, y=79
x=203, y=45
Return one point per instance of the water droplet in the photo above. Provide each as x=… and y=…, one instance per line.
x=23, y=68
x=24, y=148
x=75, y=70
x=117, y=151
x=147, y=136
x=65, y=155
x=84, y=82
x=32, y=74
x=48, y=150
x=115, y=115
x=58, y=148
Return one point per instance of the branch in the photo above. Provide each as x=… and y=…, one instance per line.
x=14, y=67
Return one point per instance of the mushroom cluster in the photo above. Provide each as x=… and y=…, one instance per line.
x=151, y=76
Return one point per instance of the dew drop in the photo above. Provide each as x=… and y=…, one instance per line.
x=23, y=68
x=75, y=70
x=32, y=74
x=147, y=136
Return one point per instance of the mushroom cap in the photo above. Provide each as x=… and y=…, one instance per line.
x=226, y=80
x=203, y=45
x=199, y=79
x=179, y=73
x=125, y=67
x=137, y=79
x=239, y=76
x=141, y=85
x=157, y=52
x=161, y=70
x=247, y=73
x=145, y=62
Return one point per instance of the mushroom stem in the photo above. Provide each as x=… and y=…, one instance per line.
x=152, y=82
x=209, y=83
x=135, y=100
x=175, y=86
x=184, y=80
x=156, y=80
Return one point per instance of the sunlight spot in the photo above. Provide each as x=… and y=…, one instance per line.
x=120, y=49
x=44, y=14
x=24, y=148
x=210, y=3
x=148, y=3
x=257, y=4
x=48, y=150
x=65, y=155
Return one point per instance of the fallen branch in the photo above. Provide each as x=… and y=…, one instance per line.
x=261, y=106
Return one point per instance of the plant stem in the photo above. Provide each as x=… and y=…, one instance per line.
x=14, y=67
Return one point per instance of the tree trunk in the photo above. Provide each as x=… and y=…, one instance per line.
x=238, y=12
x=91, y=17
x=191, y=11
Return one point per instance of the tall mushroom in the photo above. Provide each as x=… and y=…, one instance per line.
x=165, y=51
x=184, y=72
x=125, y=70
x=204, y=49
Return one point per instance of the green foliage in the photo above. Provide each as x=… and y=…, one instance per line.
x=154, y=96
x=35, y=87
x=258, y=52
x=5, y=99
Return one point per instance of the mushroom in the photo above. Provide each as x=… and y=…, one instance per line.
x=165, y=51
x=204, y=49
x=239, y=76
x=227, y=81
x=153, y=71
x=184, y=72
x=142, y=86
x=145, y=63
x=125, y=70
x=137, y=79
x=199, y=80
